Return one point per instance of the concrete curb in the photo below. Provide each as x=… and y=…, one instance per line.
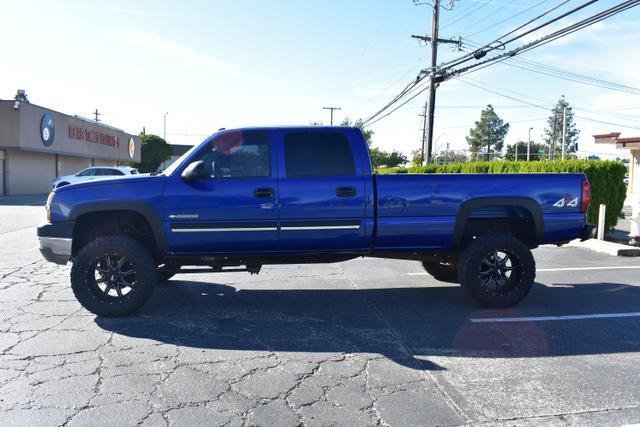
x=609, y=248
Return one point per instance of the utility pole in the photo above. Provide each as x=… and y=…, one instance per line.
x=433, y=81
x=516, y=151
x=564, y=129
x=529, y=146
x=331, y=109
x=96, y=113
x=424, y=131
x=164, y=119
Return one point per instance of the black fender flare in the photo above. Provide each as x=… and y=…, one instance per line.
x=145, y=209
x=470, y=205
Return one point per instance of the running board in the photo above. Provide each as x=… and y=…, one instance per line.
x=252, y=270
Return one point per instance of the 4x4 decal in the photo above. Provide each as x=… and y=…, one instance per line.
x=573, y=203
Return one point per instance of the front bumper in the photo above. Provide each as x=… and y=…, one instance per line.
x=588, y=232
x=55, y=242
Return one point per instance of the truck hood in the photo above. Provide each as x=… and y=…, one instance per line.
x=124, y=180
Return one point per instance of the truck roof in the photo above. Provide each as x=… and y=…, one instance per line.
x=287, y=127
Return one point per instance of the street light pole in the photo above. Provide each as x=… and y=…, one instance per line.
x=529, y=146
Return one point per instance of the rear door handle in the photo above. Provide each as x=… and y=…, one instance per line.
x=346, y=191
x=264, y=193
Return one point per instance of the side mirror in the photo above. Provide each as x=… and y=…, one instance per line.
x=195, y=171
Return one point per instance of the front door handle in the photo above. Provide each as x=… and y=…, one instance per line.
x=264, y=193
x=346, y=191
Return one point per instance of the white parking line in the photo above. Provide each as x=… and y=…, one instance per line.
x=548, y=318
x=612, y=267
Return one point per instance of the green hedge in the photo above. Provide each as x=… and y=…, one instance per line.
x=606, y=178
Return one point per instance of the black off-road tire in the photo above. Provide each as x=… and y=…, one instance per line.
x=167, y=271
x=441, y=272
x=478, y=269
x=87, y=290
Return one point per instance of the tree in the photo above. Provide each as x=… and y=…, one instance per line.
x=366, y=133
x=379, y=158
x=21, y=96
x=416, y=157
x=487, y=137
x=450, y=156
x=553, y=131
x=155, y=150
x=387, y=159
x=536, y=153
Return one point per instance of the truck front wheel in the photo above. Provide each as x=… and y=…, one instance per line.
x=497, y=270
x=113, y=276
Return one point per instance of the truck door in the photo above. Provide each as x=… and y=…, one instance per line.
x=234, y=210
x=321, y=192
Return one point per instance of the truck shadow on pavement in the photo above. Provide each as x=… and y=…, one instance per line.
x=407, y=325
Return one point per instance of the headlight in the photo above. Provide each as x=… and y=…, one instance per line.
x=48, y=205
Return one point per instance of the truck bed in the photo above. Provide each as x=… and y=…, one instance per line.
x=423, y=209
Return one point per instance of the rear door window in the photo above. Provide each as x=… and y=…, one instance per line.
x=318, y=154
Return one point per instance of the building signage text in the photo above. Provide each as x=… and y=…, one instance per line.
x=80, y=133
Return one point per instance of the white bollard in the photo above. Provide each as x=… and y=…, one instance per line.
x=601, y=216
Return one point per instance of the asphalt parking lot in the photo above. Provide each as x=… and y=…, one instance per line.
x=366, y=342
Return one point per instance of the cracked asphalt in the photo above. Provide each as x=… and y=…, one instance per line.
x=364, y=342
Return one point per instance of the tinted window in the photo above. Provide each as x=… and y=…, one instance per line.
x=103, y=172
x=87, y=172
x=238, y=154
x=318, y=154
x=115, y=172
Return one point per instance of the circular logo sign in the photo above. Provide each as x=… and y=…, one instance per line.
x=132, y=148
x=47, y=129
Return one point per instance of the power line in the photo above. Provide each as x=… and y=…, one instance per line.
x=467, y=81
x=493, y=13
x=413, y=84
x=444, y=72
x=480, y=6
x=511, y=17
x=397, y=108
x=550, y=37
x=557, y=72
x=482, y=52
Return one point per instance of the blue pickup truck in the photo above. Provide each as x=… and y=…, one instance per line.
x=249, y=197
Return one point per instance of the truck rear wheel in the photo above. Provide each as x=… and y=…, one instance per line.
x=497, y=270
x=113, y=276
x=441, y=272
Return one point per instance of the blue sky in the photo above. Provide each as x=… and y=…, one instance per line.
x=234, y=63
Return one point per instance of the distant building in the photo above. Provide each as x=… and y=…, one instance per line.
x=633, y=145
x=38, y=144
x=177, y=150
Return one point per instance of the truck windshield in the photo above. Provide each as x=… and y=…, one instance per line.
x=173, y=166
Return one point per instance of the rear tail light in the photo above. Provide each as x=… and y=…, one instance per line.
x=586, y=196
